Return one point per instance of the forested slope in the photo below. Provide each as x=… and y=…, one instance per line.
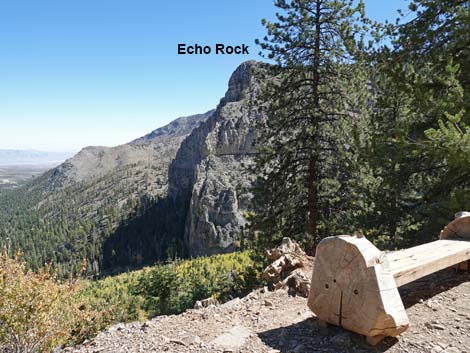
x=66, y=214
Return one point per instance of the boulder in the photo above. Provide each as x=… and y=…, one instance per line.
x=290, y=269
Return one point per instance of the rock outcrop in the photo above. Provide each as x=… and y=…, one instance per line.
x=181, y=190
x=210, y=169
x=291, y=268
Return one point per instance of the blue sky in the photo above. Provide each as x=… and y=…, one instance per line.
x=103, y=72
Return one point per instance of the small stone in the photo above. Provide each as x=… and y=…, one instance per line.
x=191, y=340
x=268, y=302
x=234, y=338
x=453, y=350
x=177, y=341
x=341, y=339
x=443, y=345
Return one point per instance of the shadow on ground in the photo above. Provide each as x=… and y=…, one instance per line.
x=310, y=336
x=430, y=286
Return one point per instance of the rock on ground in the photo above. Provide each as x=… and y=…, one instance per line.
x=438, y=308
x=291, y=267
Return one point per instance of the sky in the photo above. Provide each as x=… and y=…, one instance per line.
x=104, y=72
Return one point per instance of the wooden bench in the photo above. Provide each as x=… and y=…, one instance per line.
x=354, y=285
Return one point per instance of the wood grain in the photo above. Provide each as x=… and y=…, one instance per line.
x=411, y=264
x=352, y=286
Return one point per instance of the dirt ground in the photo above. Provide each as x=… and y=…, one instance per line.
x=438, y=307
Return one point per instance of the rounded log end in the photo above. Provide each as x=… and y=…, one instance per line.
x=458, y=229
x=353, y=287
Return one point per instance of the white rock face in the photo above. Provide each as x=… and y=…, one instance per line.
x=210, y=169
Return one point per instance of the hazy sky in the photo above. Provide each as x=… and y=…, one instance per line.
x=103, y=72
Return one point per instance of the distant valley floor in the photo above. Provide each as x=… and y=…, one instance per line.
x=13, y=176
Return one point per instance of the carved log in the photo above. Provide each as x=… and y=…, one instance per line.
x=458, y=229
x=354, y=285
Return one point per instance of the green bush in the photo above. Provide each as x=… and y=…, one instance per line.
x=174, y=287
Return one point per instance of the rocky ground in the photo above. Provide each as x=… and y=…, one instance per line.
x=438, y=307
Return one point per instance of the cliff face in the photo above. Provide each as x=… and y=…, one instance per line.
x=210, y=169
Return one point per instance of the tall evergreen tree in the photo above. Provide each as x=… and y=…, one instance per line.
x=314, y=104
x=428, y=69
x=395, y=163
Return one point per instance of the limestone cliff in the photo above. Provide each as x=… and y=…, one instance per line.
x=210, y=168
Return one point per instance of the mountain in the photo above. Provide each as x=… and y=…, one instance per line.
x=147, y=156
x=31, y=158
x=209, y=191
x=210, y=169
x=67, y=214
x=182, y=190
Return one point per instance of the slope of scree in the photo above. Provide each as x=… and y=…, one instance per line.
x=270, y=322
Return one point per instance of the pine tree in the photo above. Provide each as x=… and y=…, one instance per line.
x=395, y=163
x=429, y=67
x=314, y=104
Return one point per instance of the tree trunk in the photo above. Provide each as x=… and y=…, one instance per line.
x=312, y=202
x=312, y=205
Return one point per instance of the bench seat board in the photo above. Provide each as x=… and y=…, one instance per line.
x=419, y=261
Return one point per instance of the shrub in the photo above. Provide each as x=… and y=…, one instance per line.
x=173, y=287
x=38, y=312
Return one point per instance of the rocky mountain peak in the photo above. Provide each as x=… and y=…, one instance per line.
x=239, y=82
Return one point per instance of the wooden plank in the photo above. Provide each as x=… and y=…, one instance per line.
x=354, y=285
x=436, y=249
x=406, y=257
x=414, y=263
